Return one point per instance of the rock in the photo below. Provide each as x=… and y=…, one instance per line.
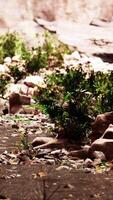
x=20, y=88
x=88, y=163
x=99, y=155
x=82, y=153
x=108, y=134
x=32, y=81
x=3, y=105
x=16, y=58
x=7, y=60
x=16, y=101
x=63, y=167
x=16, y=88
x=51, y=162
x=59, y=152
x=103, y=145
x=42, y=152
x=87, y=170
x=97, y=161
x=81, y=10
x=28, y=110
x=3, y=69
x=71, y=59
x=100, y=124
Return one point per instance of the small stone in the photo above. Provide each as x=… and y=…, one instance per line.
x=97, y=161
x=3, y=69
x=16, y=58
x=88, y=163
x=68, y=186
x=62, y=167
x=87, y=170
x=99, y=155
x=51, y=161
x=7, y=60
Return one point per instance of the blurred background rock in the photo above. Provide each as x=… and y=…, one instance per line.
x=14, y=11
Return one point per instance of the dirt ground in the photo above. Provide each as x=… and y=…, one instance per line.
x=45, y=182
x=20, y=183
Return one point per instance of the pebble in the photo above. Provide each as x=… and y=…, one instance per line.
x=63, y=167
x=88, y=163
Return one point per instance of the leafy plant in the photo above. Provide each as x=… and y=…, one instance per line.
x=24, y=144
x=50, y=54
x=37, y=60
x=11, y=44
x=72, y=100
x=16, y=72
x=4, y=80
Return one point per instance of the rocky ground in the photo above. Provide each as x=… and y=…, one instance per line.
x=47, y=173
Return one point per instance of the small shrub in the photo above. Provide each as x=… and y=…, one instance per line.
x=24, y=144
x=16, y=72
x=11, y=44
x=50, y=54
x=37, y=60
x=4, y=80
x=72, y=100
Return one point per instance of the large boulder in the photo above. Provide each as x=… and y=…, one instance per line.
x=100, y=124
x=102, y=145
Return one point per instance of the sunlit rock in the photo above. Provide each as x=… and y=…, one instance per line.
x=3, y=105
x=16, y=88
x=7, y=60
x=3, y=69
x=32, y=81
x=16, y=58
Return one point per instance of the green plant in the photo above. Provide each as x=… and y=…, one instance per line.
x=16, y=72
x=11, y=44
x=50, y=54
x=37, y=60
x=4, y=80
x=72, y=100
x=24, y=144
